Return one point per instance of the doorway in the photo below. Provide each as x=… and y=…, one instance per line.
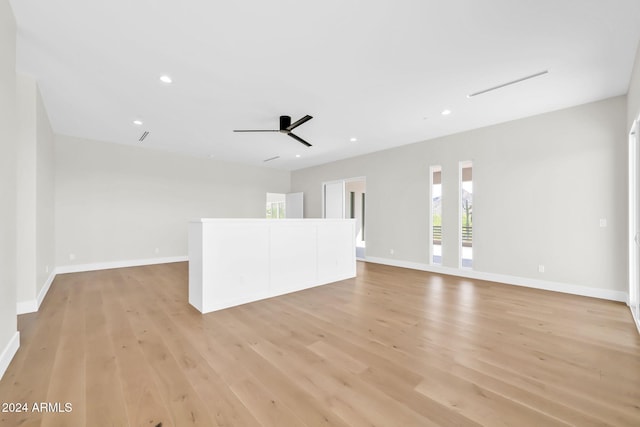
x=280, y=205
x=346, y=198
x=634, y=221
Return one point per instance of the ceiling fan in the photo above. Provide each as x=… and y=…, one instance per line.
x=285, y=127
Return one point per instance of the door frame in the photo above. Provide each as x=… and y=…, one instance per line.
x=324, y=196
x=634, y=221
x=362, y=256
x=343, y=181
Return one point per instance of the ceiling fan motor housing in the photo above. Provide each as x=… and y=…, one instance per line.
x=285, y=122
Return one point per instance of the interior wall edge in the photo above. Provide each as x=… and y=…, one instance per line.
x=26, y=307
x=33, y=305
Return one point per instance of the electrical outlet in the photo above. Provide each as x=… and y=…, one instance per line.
x=541, y=268
x=391, y=251
x=157, y=250
x=46, y=269
x=72, y=257
x=603, y=222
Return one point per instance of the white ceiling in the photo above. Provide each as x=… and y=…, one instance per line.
x=380, y=70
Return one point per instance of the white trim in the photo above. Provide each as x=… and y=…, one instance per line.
x=355, y=178
x=636, y=320
x=45, y=288
x=459, y=262
x=118, y=264
x=324, y=197
x=634, y=170
x=9, y=351
x=432, y=170
x=31, y=306
x=461, y=165
x=337, y=181
x=566, y=288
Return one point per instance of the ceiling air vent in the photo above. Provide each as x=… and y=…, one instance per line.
x=541, y=73
x=271, y=158
x=143, y=136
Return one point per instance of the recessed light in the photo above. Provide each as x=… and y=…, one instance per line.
x=137, y=122
x=165, y=79
x=446, y=112
x=353, y=139
x=297, y=155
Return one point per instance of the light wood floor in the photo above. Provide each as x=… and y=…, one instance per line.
x=393, y=347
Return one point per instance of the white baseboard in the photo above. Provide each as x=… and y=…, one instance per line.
x=637, y=321
x=8, y=352
x=118, y=264
x=31, y=306
x=566, y=288
x=45, y=288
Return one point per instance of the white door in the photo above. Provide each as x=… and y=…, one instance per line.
x=294, y=204
x=634, y=221
x=334, y=199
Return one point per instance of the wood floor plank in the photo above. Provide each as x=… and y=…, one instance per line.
x=68, y=378
x=337, y=358
x=140, y=392
x=264, y=405
x=185, y=406
x=347, y=395
x=390, y=347
x=396, y=380
x=38, y=346
x=105, y=402
x=234, y=360
x=223, y=407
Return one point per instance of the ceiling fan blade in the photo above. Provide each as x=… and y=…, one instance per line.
x=256, y=130
x=305, y=119
x=297, y=138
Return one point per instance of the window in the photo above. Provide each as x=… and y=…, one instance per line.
x=436, y=216
x=466, y=217
x=276, y=205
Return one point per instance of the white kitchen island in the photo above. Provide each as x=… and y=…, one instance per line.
x=236, y=261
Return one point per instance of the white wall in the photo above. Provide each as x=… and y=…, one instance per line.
x=26, y=189
x=116, y=203
x=633, y=95
x=45, y=198
x=541, y=185
x=35, y=197
x=9, y=337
